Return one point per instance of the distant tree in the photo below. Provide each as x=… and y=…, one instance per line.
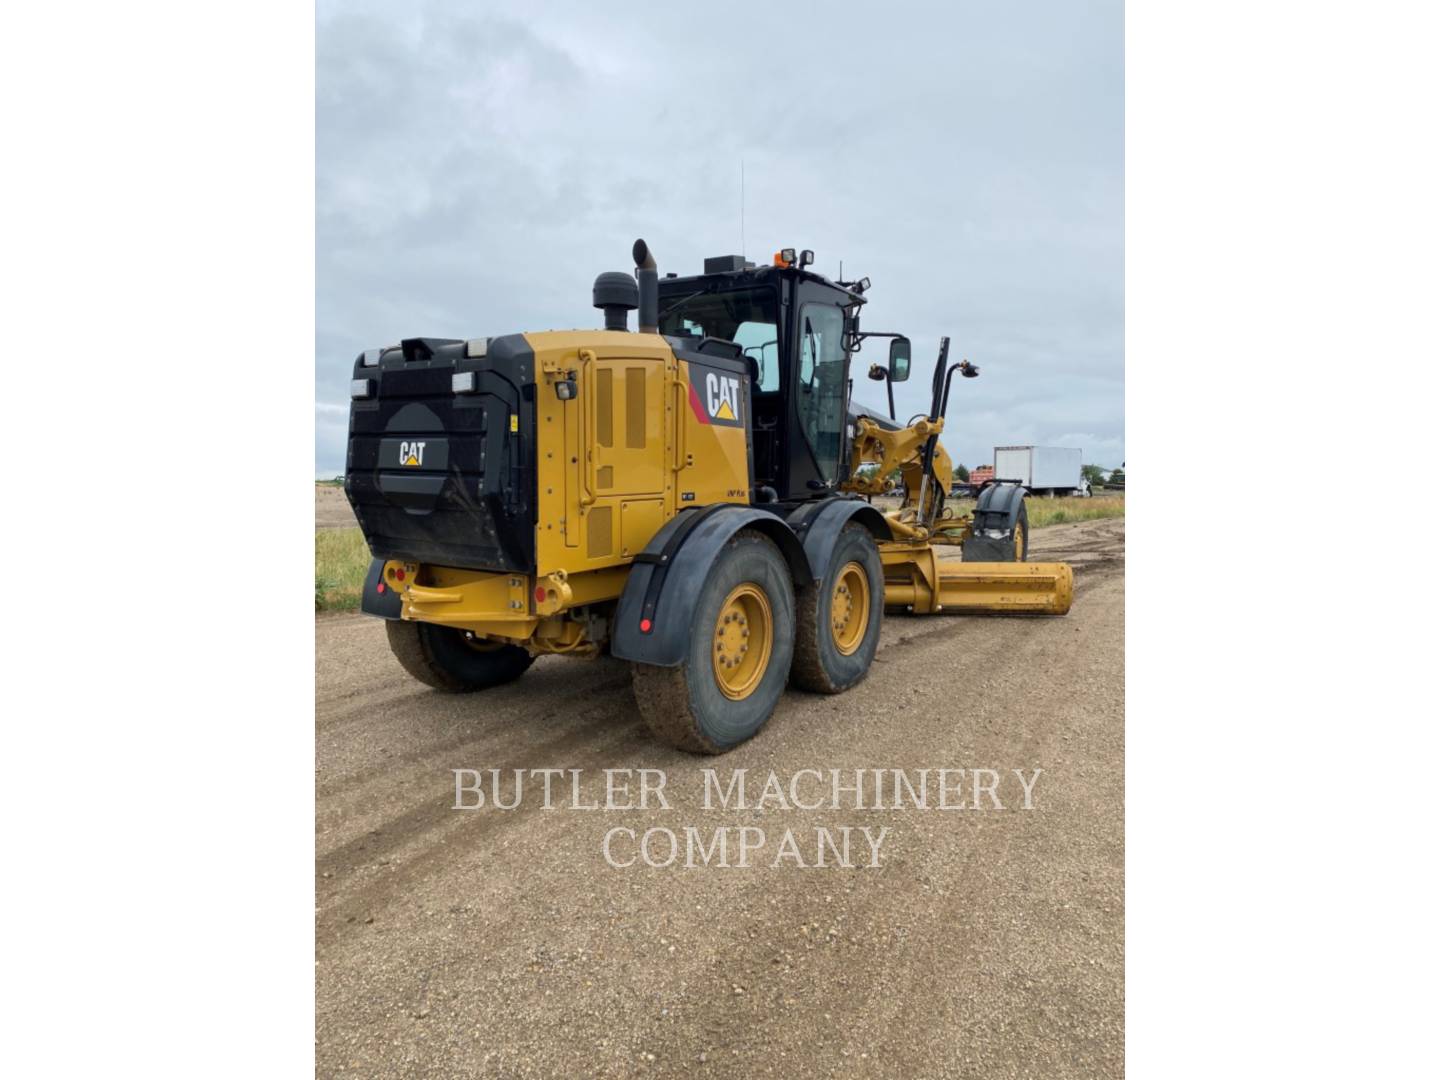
x=1094, y=474
x=1117, y=477
x=962, y=474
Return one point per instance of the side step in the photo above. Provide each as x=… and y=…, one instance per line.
x=995, y=588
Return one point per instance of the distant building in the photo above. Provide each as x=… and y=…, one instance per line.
x=981, y=473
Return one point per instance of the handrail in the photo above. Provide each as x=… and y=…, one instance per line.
x=681, y=391
x=590, y=392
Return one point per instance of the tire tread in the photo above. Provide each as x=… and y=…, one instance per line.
x=663, y=694
x=412, y=646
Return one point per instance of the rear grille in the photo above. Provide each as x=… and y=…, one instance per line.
x=441, y=477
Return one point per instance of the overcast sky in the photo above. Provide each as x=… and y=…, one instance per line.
x=479, y=164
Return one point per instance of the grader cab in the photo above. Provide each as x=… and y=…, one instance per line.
x=694, y=498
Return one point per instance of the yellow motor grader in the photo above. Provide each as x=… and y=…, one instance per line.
x=693, y=498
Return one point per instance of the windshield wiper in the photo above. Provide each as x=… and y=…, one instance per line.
x=683, y=300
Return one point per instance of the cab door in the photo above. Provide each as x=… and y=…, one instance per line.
x=819, y=381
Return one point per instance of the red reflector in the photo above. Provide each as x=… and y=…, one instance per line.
x=400, y=573
x=645, y=626
x=539, y=594
x=380, y=586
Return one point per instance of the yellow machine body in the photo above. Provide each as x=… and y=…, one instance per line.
x=620, y=459
x=634, y=447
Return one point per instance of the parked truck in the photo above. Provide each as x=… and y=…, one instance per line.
x=1041, y=470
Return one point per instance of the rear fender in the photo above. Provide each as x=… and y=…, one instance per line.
x=667, y=576
x=996, y=512
x=819, y=525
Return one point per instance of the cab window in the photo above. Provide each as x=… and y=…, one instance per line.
x=761, y=341
x=747, y=317
x=820, y=384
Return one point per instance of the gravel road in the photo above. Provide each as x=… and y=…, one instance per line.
x=986, y=943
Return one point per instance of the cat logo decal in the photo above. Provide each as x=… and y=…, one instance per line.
x=716, y=397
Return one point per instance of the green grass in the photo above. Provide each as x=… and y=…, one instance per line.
x=1042, y=512
x=341, y=559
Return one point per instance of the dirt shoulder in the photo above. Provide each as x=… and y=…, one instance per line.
x=332, y=508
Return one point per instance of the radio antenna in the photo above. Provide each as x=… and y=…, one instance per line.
x=742, y=208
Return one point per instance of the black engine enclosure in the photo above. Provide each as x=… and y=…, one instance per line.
x=442, y=477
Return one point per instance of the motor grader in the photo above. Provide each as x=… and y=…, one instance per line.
x=694, y=498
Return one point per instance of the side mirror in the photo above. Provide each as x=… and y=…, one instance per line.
x=899, y=359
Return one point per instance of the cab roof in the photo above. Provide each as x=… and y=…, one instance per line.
x=743, y=273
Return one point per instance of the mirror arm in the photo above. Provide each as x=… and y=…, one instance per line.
x=852, y=344
x=940, y=384
x=967, y=370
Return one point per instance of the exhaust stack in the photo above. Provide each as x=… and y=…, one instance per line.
x=648, y=279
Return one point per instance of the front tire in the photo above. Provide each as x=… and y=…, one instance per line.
x=838, y=617
x=1020, y=536
x=742, y=639
x=444, y=658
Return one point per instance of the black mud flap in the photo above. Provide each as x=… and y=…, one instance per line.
x=377, y=598
x=993, y=538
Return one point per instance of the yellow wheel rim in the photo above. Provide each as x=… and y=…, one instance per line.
x=850, y=608
x=1019, y=541
x=744, y=634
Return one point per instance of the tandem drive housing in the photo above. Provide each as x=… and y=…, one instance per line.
x=841, y=847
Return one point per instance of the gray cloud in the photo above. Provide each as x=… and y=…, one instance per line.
x=476, y=169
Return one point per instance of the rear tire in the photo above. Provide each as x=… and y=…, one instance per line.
x=723, y=692
x=443, y=658
x=838, y=617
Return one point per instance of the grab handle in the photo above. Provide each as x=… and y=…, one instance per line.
x=590, y=392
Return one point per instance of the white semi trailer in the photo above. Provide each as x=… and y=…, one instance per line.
x=1042, y=470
